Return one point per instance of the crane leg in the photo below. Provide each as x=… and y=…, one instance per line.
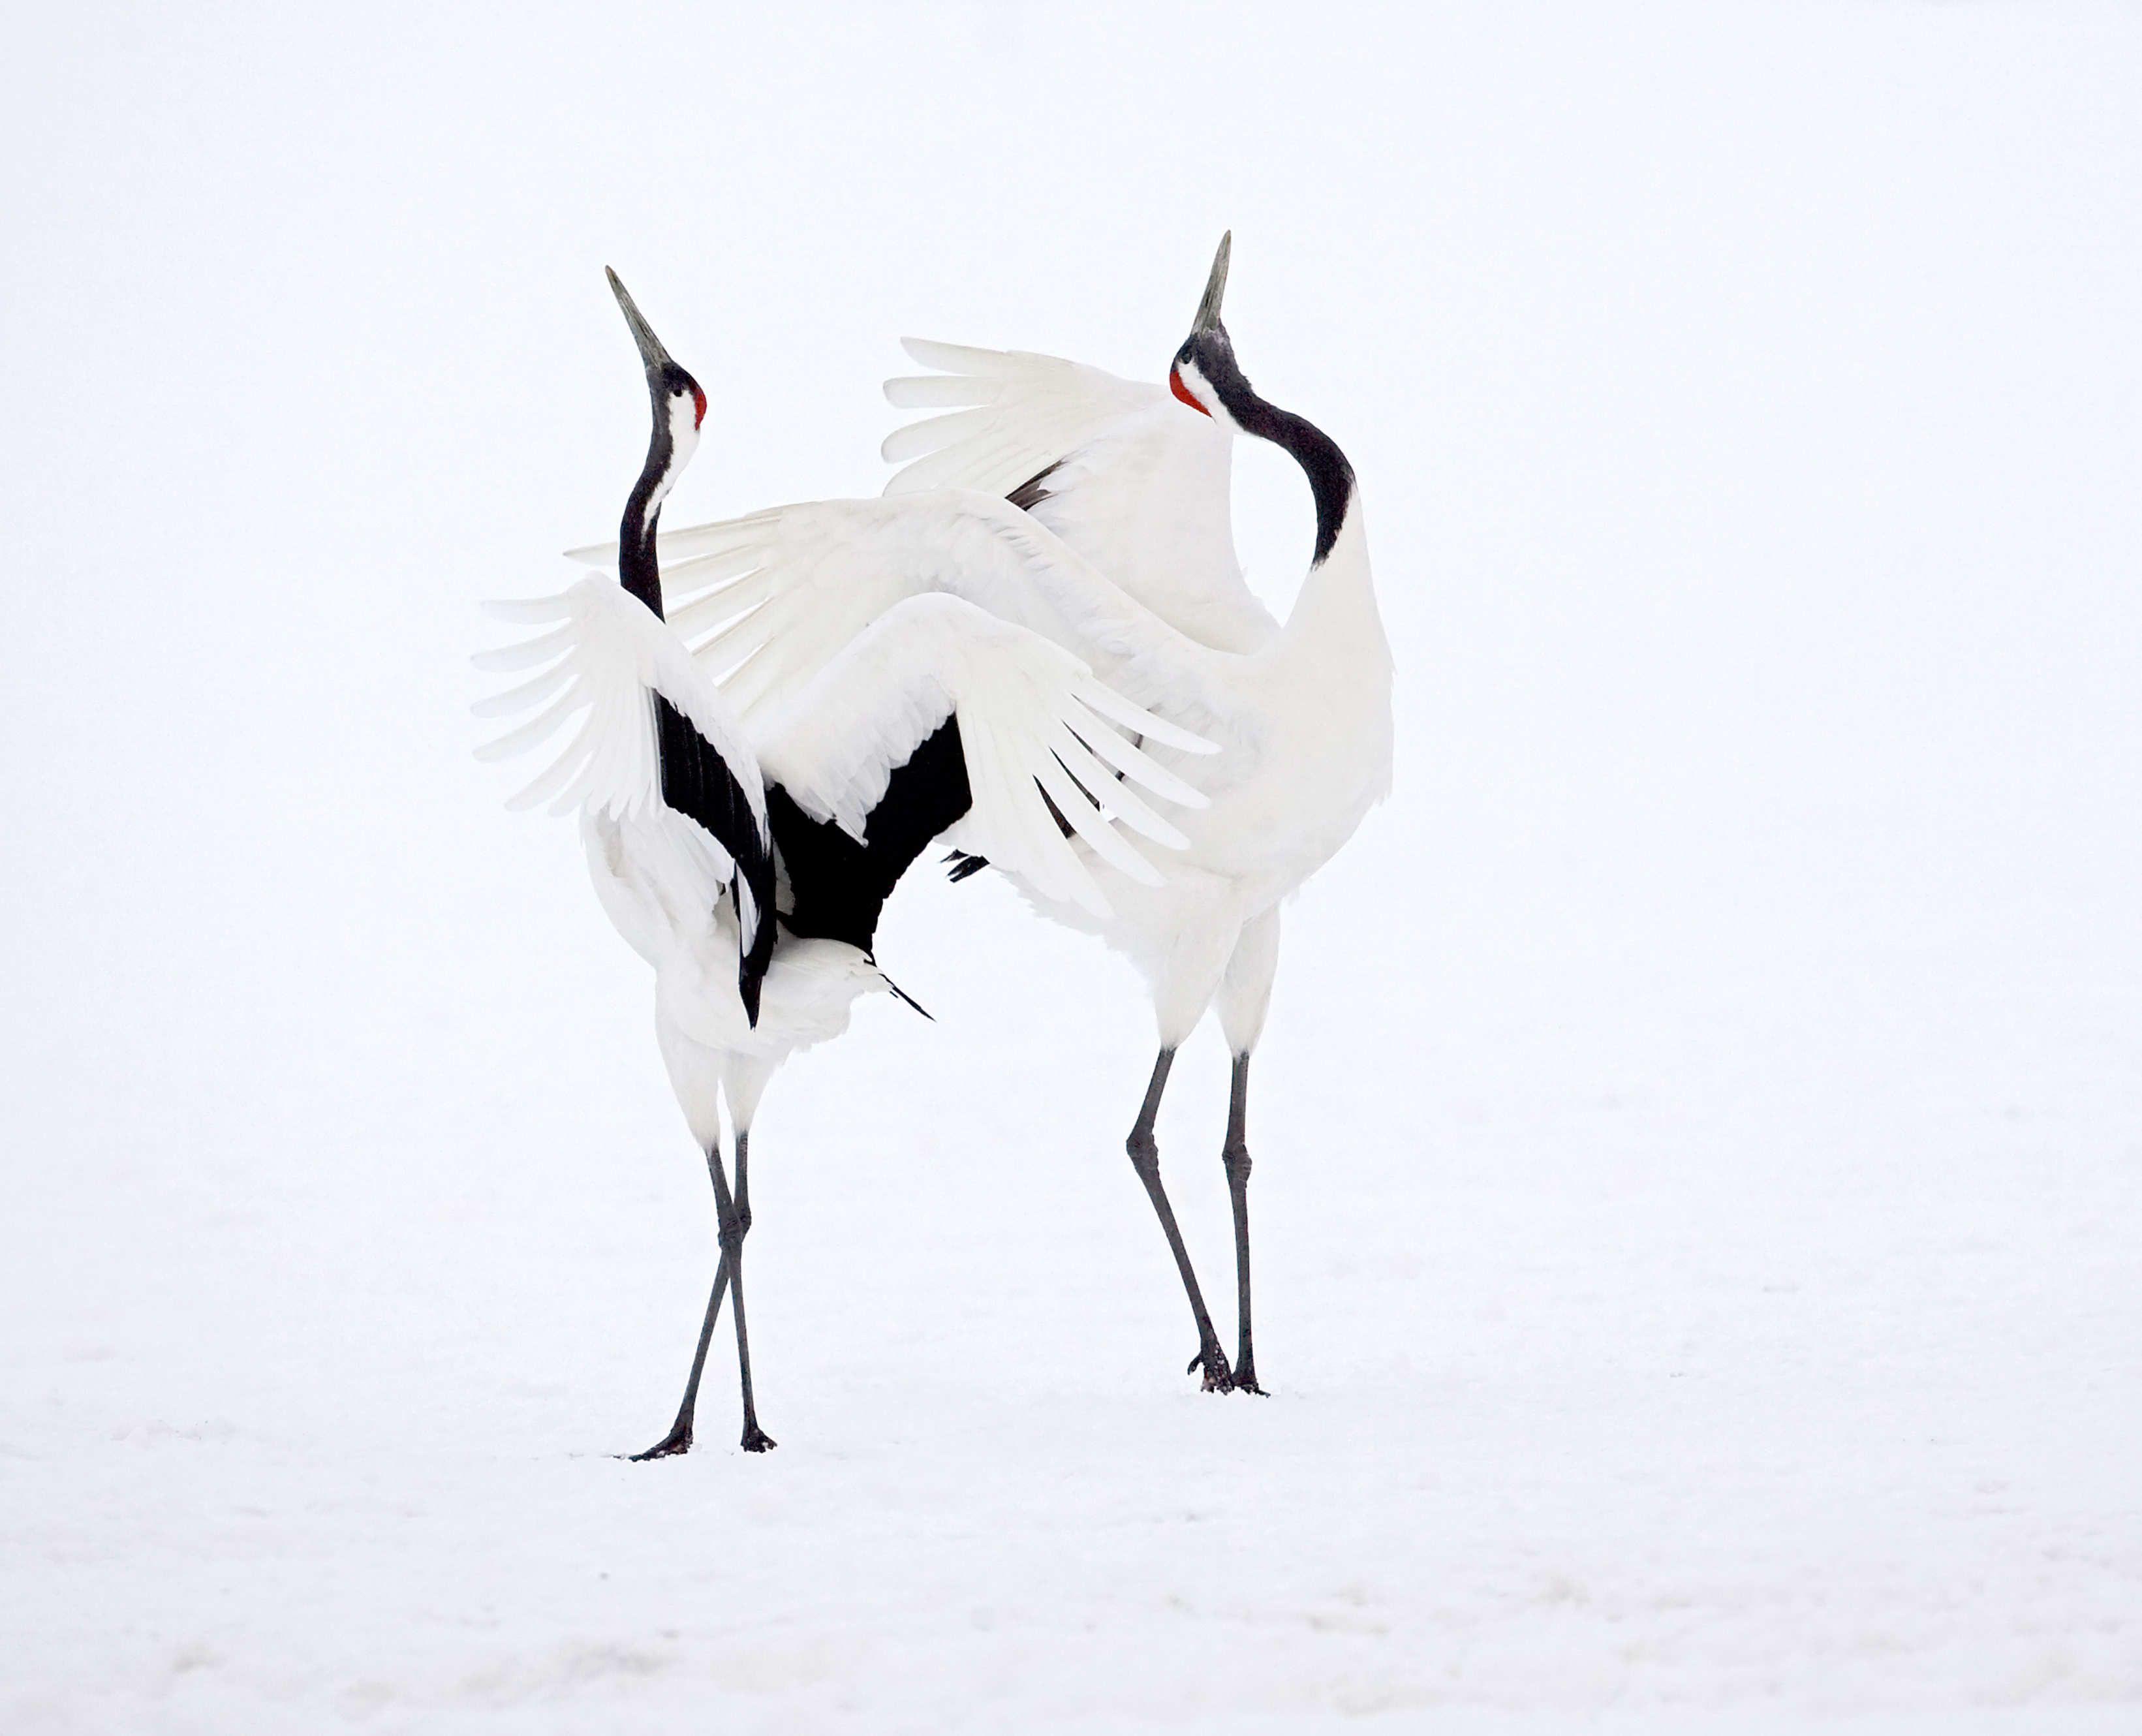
x=1145, y=1159
x=679, y=1437
x=734, y=1215
x=1235, y=1156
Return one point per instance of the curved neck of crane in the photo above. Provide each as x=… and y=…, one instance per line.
x=1330, y=477
x=1335, y=613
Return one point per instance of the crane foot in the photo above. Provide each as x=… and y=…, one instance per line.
x=1214, y=1362
x=677, y=1441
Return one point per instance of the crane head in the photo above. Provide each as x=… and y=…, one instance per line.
x=1204, y=374
x=680, y=405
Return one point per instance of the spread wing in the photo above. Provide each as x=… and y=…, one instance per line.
x=768, y=600
x=655, y=739
x=938, y=713
x=1133, y=479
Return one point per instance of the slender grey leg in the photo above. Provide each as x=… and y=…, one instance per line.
x=735, y=1217
x=1145, y=1159
x=1235, y=1154
x=679, y=1437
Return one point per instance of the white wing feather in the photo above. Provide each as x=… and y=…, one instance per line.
x=1024, y=413
x=1024, y=710
x=609, y=658
x=801, y=582
x=1139, y=484
x=858, y=700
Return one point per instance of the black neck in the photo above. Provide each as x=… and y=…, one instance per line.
x=1330, y=477
x=637, y=568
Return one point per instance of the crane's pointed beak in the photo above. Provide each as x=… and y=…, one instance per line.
x=1216, y=286
x=651, y=352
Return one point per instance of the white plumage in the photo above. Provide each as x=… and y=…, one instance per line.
x=1139, y=487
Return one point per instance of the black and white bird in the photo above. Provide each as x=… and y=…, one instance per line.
x=1095, y=510
x=749, y=862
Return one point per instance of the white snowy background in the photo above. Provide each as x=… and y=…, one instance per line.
x=1700, y=1132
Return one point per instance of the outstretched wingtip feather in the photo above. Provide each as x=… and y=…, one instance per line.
x=1118, y=793
x=531, y=692
x=1076, y=805
x=940, y=391
x=1136, y=763
x=526, y=653
x=1136, y=718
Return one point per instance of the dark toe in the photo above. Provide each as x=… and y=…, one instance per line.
x=668, y=1447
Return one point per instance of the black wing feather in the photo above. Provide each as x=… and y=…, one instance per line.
x=696, y=782
x=1033, y=492
x=838, y=886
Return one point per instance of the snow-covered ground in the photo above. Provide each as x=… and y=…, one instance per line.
x=1700, y=1134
